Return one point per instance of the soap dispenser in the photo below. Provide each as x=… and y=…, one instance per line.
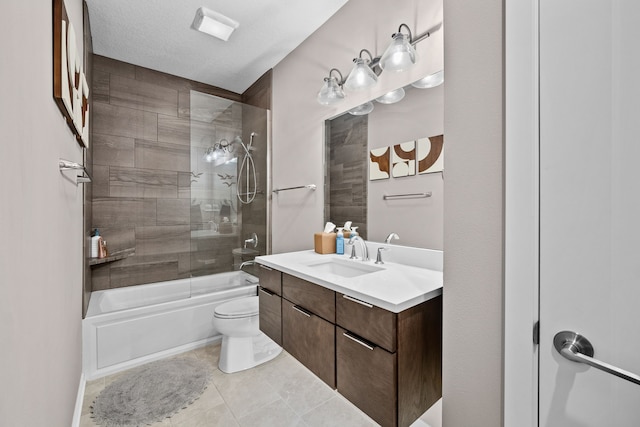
x=340, y=242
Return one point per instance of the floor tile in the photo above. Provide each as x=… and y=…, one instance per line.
x=296, y=385
x=281, y=392
x=277, y=413
x=243, y=391
x=337, y=412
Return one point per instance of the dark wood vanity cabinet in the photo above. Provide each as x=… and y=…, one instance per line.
x=388, y=364
x=316, y=298
x=368, y=321
x=366, y=376
x=270, y=303
x=270, y=279
x=308, y=329
x=311, y=340
x=270, y=314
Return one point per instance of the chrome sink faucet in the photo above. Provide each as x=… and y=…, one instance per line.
x=363, y=245
x=391, y=236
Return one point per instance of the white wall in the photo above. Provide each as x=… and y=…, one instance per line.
x=474, y=219
x=298, y=120
x=41, y=221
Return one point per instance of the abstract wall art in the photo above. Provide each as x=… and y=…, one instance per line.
x=403, y=159
x=431, y=154
x=379, y=164
x=70, y=87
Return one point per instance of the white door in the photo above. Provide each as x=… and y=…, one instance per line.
x=590, y=208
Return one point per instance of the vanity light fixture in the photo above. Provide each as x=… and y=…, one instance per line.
x=391, y=97
x=362, y=75
x=399, y=56
x=331, y=92
x=432, y=80
x=213, y=23
x=362, y=109
x=401, y=53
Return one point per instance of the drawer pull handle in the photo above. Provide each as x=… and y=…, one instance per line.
x=366, y=304
x=299, y=310
x=362, y=343
x=265, y=267
x=268, y=292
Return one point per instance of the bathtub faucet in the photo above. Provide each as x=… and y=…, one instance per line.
x=252, y=262
x=253, y=240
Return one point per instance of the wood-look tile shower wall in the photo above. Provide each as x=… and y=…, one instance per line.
x=142, y=176
x=346, y=171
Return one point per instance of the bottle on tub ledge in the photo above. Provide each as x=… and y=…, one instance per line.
x=95, y=243
x=102, y=250
x=98, y=245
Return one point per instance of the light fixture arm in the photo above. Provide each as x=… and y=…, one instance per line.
x=408, y=29
x=360, y=55
x=341, y=80
x=419, y=38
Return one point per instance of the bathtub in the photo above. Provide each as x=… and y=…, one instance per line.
x=126, y=327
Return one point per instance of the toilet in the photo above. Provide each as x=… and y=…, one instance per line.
x=243, y=344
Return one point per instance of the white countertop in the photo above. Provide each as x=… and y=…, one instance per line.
x=394, y=287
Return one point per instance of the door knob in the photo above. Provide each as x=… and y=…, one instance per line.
x=577, y=348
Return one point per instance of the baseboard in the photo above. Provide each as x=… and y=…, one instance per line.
x=109, y=370
x=77, y=412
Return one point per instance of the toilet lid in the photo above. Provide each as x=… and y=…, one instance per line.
x=241, y=307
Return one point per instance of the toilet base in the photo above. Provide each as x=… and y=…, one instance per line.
x=240, y=353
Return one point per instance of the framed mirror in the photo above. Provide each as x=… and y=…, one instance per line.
x=404, y=201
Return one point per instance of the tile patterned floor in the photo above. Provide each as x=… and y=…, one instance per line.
x=281, y=392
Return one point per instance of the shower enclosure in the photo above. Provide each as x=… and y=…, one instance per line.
x=229, y=143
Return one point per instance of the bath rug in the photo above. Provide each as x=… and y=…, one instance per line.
x=151, y=392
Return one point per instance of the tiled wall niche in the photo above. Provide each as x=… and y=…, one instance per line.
x=142, y=176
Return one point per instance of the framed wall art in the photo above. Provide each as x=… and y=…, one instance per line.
x=70, y=87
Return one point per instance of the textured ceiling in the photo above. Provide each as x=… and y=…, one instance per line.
x=158, y=35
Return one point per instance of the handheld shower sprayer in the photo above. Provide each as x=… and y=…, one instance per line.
x=248, y=164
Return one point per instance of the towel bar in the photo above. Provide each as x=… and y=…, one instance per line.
x=66, y=165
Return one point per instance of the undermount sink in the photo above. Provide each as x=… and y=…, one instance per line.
x=343, y=268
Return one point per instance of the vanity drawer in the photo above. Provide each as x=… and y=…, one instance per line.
x=368, y=321
x=270, y=314
x=366, y=376
x=317, y=299
x=311, y=340
x=270, y=279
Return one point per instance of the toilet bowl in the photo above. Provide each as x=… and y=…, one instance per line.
x=243, y=345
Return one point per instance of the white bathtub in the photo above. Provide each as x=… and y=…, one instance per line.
x=129, y=326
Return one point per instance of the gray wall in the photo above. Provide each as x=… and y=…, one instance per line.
x=473, y=212
x=41, y=259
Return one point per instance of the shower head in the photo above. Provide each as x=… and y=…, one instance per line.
x=251, y=139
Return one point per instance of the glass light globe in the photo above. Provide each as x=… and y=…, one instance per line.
x=331, y=92
x=361, y=76
x=432, y=80
x=362, y=109
x=391, y=97
x=400, y=55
